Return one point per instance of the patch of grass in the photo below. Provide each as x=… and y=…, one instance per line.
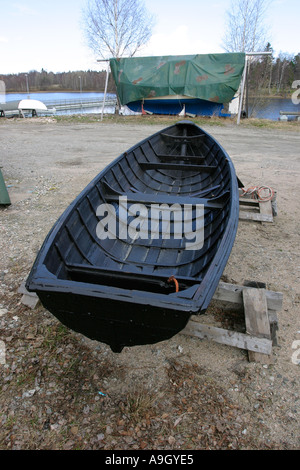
x=138, y=119
x=268, y=124
x=55, y=335
x=137, y=405
x=164, y=120
x=77, y=118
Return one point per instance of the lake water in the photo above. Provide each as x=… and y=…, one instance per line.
x=56, y=96
x=52, y=98
x=270, y=109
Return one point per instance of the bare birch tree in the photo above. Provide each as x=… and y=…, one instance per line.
x=116, y=28
x=246, y=32
x=245, y=29
x=283, y=61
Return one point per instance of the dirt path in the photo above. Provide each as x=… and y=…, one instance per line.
x=61, y=391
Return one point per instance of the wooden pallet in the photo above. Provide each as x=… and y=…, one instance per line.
x=252, y=209
x=260, y=308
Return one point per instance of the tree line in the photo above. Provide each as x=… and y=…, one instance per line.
x=35, y=81
x=274, y=75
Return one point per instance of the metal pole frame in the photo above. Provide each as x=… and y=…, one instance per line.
x=242, y=92
x=248, y=54
x=105, y=89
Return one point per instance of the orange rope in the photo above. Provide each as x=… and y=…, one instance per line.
x=172, y=278
x=255, y=192
x=265, y=198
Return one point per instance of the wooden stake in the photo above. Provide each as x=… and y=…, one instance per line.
x=257, y=320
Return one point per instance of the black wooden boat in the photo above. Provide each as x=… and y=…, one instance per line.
x=101, y=270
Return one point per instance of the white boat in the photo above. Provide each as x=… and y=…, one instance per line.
x=24, y=106
x=32, y=105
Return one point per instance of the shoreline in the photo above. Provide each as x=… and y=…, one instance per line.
x=284, y=96
x=55, y=91
x=152, y=120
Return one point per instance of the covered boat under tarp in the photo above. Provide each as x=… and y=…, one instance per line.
x=201, y=84
x=143, y=247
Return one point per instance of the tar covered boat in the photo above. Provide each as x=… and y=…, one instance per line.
x=144, y=245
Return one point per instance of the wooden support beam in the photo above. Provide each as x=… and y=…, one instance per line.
x=228, y=337
x=30, y=299
x=260, y=211
x=263, y=213
x=233, y=293
x=259, y=306
x=257, y=320
x=266, y=210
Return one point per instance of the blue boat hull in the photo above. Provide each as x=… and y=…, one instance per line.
x=175, y=106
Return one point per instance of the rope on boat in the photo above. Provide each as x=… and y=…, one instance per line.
x=173, y=279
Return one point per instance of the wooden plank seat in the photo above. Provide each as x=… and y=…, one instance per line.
x=177, y=166
x=187, y=158
x=212, y=203
x=182, y=139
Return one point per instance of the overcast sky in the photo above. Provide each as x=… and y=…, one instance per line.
x=38, y=34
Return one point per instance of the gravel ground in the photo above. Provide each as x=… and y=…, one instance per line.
x=62, y=391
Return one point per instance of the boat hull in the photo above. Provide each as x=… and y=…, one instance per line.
x=114, y=322
x=192, y=106
x=136, y=290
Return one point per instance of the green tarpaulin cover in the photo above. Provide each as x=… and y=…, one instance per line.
x=212, y=77
x=4, y=197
